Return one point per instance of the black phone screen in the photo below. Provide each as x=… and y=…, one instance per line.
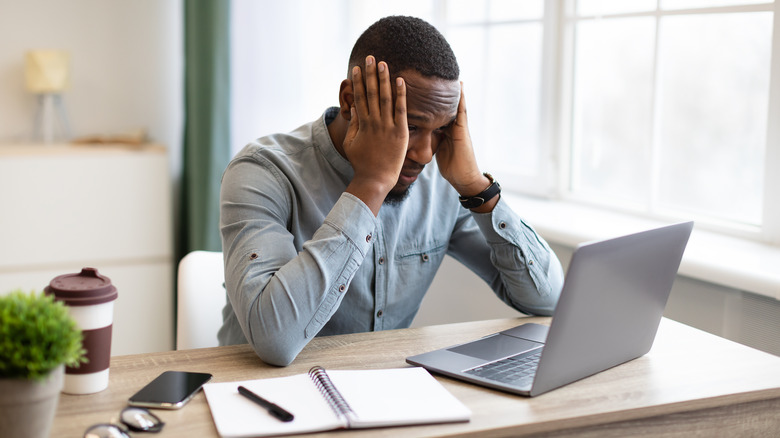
x=169, y=390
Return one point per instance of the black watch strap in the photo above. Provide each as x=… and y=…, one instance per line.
x=489, y=193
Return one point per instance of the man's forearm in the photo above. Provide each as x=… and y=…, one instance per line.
x=517, y=264
x=282, y=297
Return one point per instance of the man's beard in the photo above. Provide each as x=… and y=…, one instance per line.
x=396, y=198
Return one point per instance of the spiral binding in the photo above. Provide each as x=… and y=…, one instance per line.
x=331, y=394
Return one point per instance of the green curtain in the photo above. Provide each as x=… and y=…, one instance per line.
x=206, y=149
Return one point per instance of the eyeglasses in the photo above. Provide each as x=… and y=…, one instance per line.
x=132, y=418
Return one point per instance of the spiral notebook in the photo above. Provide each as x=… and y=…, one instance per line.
x=334, y=399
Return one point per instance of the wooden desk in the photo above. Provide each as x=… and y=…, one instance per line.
x=690, y=381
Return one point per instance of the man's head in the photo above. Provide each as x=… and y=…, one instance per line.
x=406, y=43
x=416, y=51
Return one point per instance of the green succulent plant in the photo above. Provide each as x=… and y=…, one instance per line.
x=36, y=335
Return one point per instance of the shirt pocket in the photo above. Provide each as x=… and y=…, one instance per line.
x=417, y=254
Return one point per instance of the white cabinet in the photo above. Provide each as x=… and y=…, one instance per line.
x=64, y=207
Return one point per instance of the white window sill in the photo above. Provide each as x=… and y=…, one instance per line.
x=727, y=261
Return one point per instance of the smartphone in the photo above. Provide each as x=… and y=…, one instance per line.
x=169, y=390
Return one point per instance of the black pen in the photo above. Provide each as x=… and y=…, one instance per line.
x=273, y=409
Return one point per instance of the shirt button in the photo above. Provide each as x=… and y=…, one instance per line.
x=368, y=238
x=381, y=260
x=342, y=288
x=425, y=257
x=379, y=314
x=502, y=225
x=530, y=262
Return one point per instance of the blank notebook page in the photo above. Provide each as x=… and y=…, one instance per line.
x=397, y=396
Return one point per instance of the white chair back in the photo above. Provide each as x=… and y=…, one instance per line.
x=200, y=299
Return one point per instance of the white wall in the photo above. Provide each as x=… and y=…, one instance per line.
x=126, y=66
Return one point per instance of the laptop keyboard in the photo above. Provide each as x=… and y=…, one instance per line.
x=514, y=370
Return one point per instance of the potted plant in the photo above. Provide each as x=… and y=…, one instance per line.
x=38, y=338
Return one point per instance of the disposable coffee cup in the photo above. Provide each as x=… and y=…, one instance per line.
x=90, y=298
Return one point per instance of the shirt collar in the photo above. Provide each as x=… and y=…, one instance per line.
x=323, y=142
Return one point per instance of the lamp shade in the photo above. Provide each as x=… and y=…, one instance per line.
x=46, y=71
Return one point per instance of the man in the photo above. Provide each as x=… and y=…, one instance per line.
x=340, y=225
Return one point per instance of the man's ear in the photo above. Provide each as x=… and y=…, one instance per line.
x=346, y=99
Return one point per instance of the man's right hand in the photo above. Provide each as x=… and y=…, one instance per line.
x=378, y=134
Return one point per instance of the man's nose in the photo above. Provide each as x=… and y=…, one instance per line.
x=421, y=149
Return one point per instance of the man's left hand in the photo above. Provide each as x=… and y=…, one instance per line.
x=456, y=159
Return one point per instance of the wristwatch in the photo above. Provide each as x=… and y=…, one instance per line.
x=489, y=193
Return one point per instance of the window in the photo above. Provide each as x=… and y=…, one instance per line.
x=669, y=108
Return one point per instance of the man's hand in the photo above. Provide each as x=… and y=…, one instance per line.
x=378, y=134
x=456, y=159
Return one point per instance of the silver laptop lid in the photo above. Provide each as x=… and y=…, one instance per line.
x=611, y=304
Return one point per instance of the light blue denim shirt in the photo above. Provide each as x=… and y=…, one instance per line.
x=303, y=258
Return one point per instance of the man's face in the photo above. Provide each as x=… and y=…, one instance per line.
x=431, y=106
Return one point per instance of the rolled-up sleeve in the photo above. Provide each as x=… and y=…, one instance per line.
x=517, y=263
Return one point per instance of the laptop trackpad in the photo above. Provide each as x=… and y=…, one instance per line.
x=495, y=347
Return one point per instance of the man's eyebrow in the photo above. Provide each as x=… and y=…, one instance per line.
x=413, y=116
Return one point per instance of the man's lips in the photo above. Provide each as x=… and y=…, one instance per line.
x=408, y=176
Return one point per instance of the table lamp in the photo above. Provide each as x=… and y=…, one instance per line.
x=47, y=75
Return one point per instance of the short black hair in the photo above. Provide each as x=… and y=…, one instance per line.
x=406, y=43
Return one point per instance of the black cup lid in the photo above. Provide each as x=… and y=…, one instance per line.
x=86, y=288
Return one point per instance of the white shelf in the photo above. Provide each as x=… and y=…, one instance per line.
x=109, y=207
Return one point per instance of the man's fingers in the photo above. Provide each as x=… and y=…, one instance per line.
x=400, y=103
x=373, y=96
x=354, y=124
x=358, y=91
x=372, y=87
x=462, y=117
x=385, y=92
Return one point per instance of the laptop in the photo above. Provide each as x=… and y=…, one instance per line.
x=608, y=313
